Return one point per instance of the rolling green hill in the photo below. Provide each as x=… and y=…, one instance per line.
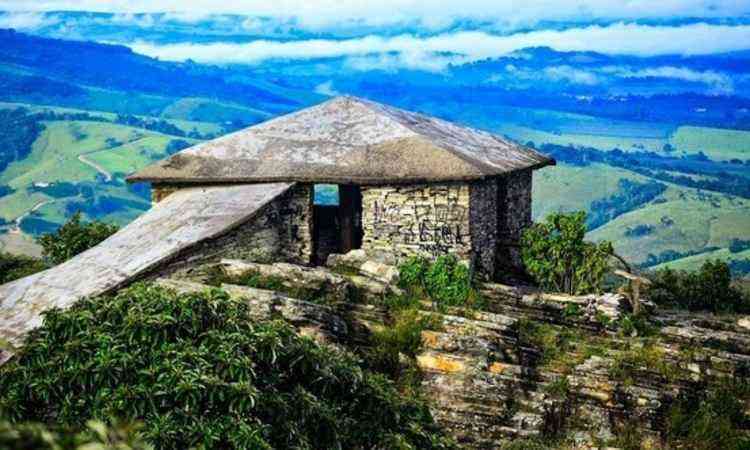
x=690, y=224
x=77, y=165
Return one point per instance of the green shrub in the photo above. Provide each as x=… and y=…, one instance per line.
x=13, y=267
x=96, y=436
x=73, y=238
x=198, y=372
x=446, y=281
x=556, y=255
x=709, y=288
x=716, y=419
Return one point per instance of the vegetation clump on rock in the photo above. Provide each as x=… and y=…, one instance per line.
x=200, y=373
x=446, y=282
x=555, y=254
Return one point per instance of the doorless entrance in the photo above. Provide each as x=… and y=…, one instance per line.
x=337, y=220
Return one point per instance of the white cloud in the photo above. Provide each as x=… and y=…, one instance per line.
x=437, y=13
x=326, y=89
x=412, y=60
x=459, y=47
x=719, y=81
x=26, y=20
x=141, y=20
x=571, y=74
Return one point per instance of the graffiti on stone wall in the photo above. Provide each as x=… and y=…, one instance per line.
x=432, y=219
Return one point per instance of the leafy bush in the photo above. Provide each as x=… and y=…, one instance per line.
x=556, y=255
x=13, y=267
x=709, y=288
x=73, y=238
x=96, y=436
x=446, y=281
x=199, y=372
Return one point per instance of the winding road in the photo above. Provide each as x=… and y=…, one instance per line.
x=95, y=166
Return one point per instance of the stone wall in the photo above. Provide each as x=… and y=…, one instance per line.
x=483, y=218
x=280, y=231
x=514, y=215
x=419, y=219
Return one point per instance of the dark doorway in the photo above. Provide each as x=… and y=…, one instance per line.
x=337, y=220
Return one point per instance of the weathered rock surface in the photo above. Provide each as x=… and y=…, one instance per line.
x=532, y=303
x=314, y=282
x=488, y=384
x=380, y=266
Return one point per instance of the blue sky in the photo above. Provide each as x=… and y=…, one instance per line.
x=426, y=35
x=432, y=12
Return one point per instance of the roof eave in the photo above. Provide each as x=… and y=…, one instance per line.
x=136, y=178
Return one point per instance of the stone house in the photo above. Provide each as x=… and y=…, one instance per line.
x=407, y=183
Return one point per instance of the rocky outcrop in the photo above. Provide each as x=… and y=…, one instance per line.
x=534, y=363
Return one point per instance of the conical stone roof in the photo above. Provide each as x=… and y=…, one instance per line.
x=347, y=140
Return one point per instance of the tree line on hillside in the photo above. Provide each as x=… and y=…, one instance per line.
x=157, y=125
x=630, y=196
x=718, y=176
x=18, y=132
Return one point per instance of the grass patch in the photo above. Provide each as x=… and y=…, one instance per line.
x=561, y=348
x=644, y=355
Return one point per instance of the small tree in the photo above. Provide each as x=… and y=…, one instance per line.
x=13, y=267
x=557, y=256
x=73, y=238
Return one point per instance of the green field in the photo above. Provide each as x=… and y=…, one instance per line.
x=564, y=188
x=199, y=109
x=694, y=262
x=717, y=144
x=81, y=153
x=55, y=153
x=688, y=221
x=683, y=219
